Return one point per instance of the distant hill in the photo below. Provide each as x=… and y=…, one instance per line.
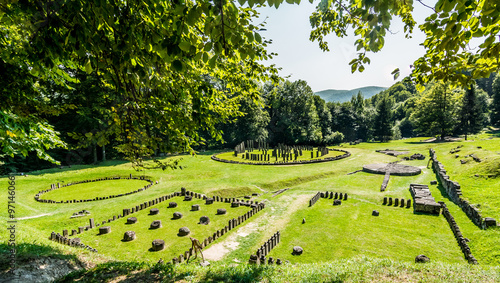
x=335, y=95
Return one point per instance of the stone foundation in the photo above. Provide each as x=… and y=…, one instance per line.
x=455, y=193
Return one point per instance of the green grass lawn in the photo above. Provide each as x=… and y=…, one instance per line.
x=94, y=189
x=349, y=230
x=330, y=233
x=175, y=245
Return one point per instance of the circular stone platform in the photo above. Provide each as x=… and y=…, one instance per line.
x=394, y=169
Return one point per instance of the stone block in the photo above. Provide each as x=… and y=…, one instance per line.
x=184, y=231
x=104, y=230
x=158, y=245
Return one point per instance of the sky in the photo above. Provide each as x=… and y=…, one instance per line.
x=289, y=28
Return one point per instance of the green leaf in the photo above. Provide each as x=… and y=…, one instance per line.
x=258, y=37
x=185, y=46
x=88, y=67
x=212, y=62
x=396, y=73
x=177, y=65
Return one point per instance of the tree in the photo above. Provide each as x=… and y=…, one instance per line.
x=343, y=119
x=22, y=127
x=495, y=104
x=252, y=125
x=293, y=116
x=471, y=114
x=157, y=57
x=325, y=119
x=449, y=31
x=383, y=119
x=435, y=111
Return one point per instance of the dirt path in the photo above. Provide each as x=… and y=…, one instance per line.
x=219, y=250
x=34, y=216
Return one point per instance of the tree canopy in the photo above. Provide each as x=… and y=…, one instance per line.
x=163, y=62
x=164, y=70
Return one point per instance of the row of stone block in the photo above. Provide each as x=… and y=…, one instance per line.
x=280, y=192
x=461, y=240
x=127, y=211
x=254, y=259
x=53, y=187
x=397, y=202
x=314, y=199
x=334, y=195
x=219, y=233
x=266, y=248
x=346, y=154
x=75, y=242
x=454, y=191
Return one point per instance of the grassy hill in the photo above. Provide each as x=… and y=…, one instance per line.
x=341, y=243
x=335, y=95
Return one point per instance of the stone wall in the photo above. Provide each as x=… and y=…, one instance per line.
x=455, y=193
x=461, y=240
x=54, y=187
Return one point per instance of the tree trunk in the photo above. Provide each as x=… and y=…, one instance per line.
x=103, y=153
x=95, y=153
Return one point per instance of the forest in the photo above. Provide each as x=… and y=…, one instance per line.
x=286, y=113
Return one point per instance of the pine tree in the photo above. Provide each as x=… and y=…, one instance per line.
x=470, y=113
x=495, y=105
x=383, y=119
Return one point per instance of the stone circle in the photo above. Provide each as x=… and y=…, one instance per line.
x=154, y=211
x=204, y=220
x=158, y=245
x=184, y=231
x=172, y=204
x=177, y=215
x=54, y=187
x=392, y=168
x=155, y=224
x=221, y=211
x=129, y=236
x=131, y=220
x=297, y=250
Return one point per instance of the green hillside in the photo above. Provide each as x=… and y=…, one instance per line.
x=335, y=95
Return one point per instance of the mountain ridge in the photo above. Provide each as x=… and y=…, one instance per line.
x=334, y=95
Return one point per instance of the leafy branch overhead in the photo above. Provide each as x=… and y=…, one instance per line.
x=160, y=59
x=164, y=71
x=451, y=30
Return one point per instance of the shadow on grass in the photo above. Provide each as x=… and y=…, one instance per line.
x=494, y=132
x=26, y=252
x=109, y=163
x=144, y=272
x=131, y=271
x=245, y=273
x=441, y=189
